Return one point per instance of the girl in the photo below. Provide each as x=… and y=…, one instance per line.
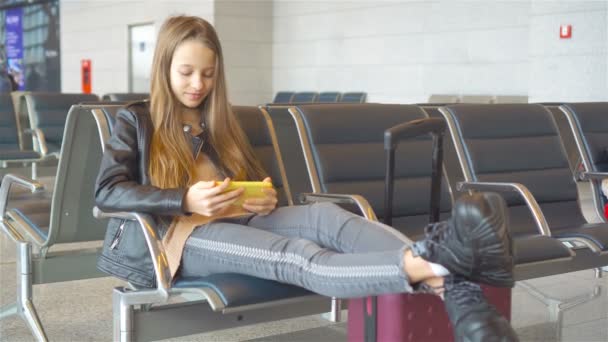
x=165, y=156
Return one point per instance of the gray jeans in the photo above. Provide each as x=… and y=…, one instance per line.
x=320, y=247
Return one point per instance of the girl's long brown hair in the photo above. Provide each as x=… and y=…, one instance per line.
x=171, y=161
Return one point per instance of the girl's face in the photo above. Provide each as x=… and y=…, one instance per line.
x=192, y=73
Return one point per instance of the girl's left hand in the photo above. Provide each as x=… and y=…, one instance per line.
x=262, y=206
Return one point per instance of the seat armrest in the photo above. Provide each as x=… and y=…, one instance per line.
x=38, y=135
x=522, y=190
x=155, y=246
x=360, y=201
x=586, y=176
x=10, y=179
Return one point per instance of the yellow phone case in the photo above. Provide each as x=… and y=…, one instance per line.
x=252, y=189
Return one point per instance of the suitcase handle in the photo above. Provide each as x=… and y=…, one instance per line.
x=392, y=137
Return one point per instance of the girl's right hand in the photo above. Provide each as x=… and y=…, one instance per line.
x=208, y=199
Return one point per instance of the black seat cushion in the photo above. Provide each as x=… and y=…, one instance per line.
x=531, y=249
x=595, y=232
x=238, y=290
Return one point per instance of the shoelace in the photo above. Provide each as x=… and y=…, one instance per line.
x=439, y=231
x=463, y=292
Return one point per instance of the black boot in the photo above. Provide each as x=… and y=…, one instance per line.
x=475, y=242
x=473, y=318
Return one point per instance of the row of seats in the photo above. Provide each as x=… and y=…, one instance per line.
x=323, y=97
x=452, y=98
x=338, y=148
x=32, y=123
x=491, y=150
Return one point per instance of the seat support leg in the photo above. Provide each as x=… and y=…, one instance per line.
x=123, y=318
x=557, y=307
x=25, y=306
x=34, y=170
x=336, y=310
x=599, y=272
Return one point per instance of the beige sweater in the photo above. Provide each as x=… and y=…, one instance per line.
x=182, y=226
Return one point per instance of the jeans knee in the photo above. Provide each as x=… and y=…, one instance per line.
x=326, y=208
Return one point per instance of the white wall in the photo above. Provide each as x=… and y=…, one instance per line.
x=402, y=51
x=98, y=30
x=244, y=27
x=245, y=30
x=396, y=51
x=573, y=69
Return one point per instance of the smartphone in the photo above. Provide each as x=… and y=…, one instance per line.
x=252, y=189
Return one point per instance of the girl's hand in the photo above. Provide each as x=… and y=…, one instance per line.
x=207, y=199
x=262, y=206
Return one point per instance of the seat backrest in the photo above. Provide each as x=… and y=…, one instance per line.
x=589, y=128
x=23, y=121
x=71, y=217
x=517, y=143
x=9, y=134
x=477, y=99
x=567, y=138
x=283, y=97
x=259, y=129
x=125, y=97
x=355, y=97
x=444, y=98
x=328, y=97
x=346, y=145
x=591, y=121
x=305, y=97
x=511, y=99
x=290, y=149
x=450, y=158
x=48, y=112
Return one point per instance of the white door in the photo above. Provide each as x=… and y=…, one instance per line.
x=141, y=43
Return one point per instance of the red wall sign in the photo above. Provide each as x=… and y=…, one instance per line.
x=565, y=31
x=85, y=72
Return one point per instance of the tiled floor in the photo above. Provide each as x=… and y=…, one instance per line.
x=82, y=311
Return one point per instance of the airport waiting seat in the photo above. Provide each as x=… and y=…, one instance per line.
x=217, y=301
x=305, y=97
x=329, y=97
x=345, y=150
x=10, y=151
x=283, y=97
x=125, y=97
x=47, y=114
x=354, y=97
x=62, y=217
x=527, y=164
x=589, y=128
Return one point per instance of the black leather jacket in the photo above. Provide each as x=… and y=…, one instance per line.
x=123, y=184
